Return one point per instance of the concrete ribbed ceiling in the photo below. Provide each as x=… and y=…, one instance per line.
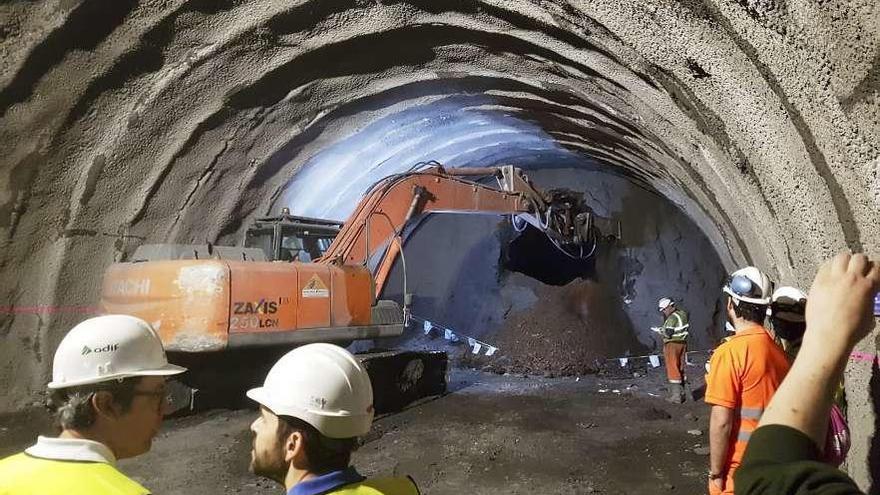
x=137, y=121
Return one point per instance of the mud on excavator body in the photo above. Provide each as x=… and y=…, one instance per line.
x=215, y=304
x=214, y=298
x=228, y=313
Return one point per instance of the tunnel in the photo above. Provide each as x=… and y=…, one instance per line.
x=720, y=134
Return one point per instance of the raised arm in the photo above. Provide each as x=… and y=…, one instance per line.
x=839, y=315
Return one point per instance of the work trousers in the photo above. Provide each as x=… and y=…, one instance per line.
x=674, y=355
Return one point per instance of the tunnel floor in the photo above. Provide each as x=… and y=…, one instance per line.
x=492, y=434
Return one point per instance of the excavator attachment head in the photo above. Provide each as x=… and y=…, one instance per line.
x=558, y=243
x=533, y=253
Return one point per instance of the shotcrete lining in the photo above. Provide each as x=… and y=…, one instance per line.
x=268, y=90
x=842, y=207
x=182, y=120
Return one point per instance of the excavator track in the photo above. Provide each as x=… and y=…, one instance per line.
x=402, y=377
x=220, y=380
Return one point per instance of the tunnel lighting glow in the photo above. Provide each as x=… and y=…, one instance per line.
x=454, y=131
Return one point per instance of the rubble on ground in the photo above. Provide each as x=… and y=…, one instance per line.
x=571, y=330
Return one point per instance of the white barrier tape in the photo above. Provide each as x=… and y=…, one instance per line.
x=653, y=359
x=648, y=356
x=452, y=336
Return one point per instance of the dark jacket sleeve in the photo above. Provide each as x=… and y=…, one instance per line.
x=782, y=460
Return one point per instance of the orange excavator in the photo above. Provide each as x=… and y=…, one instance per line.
x=298, y=280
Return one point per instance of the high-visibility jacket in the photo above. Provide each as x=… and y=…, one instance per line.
x=379, y=486
x=22, y=474
x=675, y=328
x=744, y=374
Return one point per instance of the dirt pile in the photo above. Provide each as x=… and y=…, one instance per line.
x=569, y=331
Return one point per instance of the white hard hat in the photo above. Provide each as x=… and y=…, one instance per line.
x=323, y=385
x=749, y=285
x=108, y=348
x=788, y=303
x=665, y=303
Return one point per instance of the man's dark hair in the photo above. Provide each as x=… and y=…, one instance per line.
x=754, y=313
x=73, y=405
x=323, y=454
x=792, y=331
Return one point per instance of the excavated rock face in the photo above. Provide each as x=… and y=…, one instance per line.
x=130, y=121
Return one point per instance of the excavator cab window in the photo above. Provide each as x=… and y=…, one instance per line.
x=302, y=246
x=260, y=238
x=292, y=249
x=283, y=242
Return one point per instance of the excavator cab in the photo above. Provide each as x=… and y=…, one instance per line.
x=292, y=238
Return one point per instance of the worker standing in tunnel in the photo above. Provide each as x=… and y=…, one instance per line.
x=315, y=403
x=744, y=373
x=675, y=335
x=787, y=315
x=108, y=384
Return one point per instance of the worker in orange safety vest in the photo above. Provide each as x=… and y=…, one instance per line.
x=744, y=374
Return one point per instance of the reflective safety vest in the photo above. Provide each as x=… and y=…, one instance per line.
x=746, y=371
x=675, y=328
x=379, y=486
x=22, y=474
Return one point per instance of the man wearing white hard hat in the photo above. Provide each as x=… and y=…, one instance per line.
x=744, y=373
x=675, y=331
x=787, y=315
x=108, y=385
x=315, y=403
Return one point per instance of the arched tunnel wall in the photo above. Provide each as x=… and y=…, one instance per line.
x=136, y=121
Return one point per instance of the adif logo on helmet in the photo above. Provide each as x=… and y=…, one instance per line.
x=107, y=348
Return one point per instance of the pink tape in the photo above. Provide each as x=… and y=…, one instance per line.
x=864, y=356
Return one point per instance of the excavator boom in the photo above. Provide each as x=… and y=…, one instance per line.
x=378, y=222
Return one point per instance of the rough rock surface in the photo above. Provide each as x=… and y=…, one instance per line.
x=179, y=120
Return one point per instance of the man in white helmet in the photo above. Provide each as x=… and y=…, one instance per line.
x=744, y=373
x=108, y=385
x=315, y=403
x=787, y=315
x=675, y=331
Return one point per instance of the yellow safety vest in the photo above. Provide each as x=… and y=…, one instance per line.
x=22, y=474
x=379, y=486
x=677, y=325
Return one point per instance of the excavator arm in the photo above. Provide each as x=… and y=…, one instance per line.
x=379, y=219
